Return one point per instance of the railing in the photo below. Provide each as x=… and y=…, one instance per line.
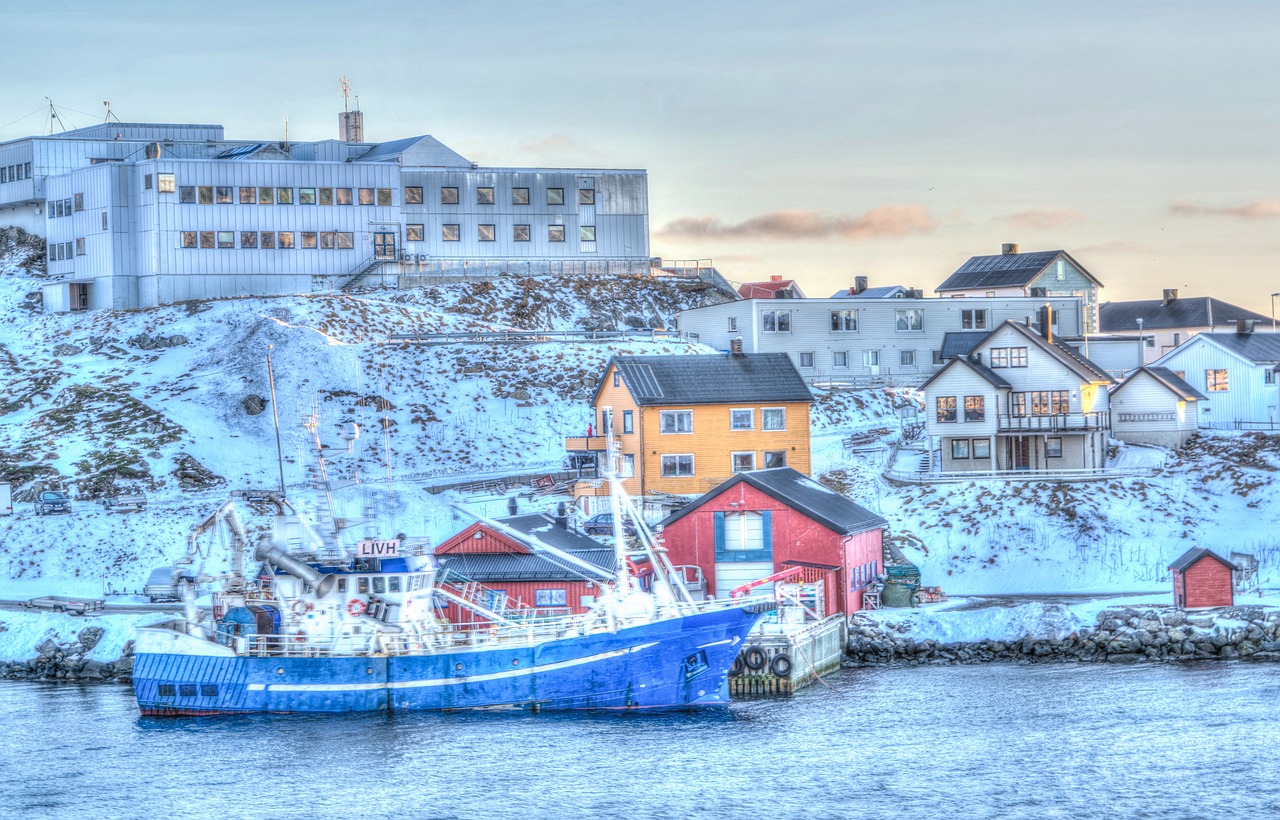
x=1091, y=474
x=585, y=444
x=1263, y=426
x=538, y=336
x=1053, y=423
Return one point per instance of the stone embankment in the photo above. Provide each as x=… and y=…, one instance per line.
x=67, y=662
x=1120, y=636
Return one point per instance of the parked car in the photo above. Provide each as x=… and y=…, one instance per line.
x=165, y=584
x=52, y=501
x=602, y=524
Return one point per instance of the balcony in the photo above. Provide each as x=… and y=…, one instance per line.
x=1055, y=423
x=585, y=444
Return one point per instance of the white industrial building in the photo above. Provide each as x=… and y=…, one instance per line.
x=142, y=214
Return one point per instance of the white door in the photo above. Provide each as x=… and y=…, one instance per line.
x=730, y=574
x=871, y=358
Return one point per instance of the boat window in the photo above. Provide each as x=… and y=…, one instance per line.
x=379, y=585
x=187, y=690
x=166, y=690
x=364, y=585
x=393, y=583
x=342, y=584
x=209, y=690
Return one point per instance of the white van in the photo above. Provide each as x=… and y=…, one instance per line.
x=6, y=499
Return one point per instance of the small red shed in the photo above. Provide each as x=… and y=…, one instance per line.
x=502, y=568
x=764, y=521
x=1202, y=579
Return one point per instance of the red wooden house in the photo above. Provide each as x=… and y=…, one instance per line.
x=503, y=569
x=765, y=521
x=1202, y=579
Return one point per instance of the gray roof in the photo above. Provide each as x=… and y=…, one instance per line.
x=882, y=292
x=536, y=527
x=1195, y=554
x=424, y=150
x=1005, y=270
x=710, y=379
x=1259, y=348
x=1175, y=383
x=991, y=376
x=1063, y=352
x=800, y=493
x=960, y=342
x=1197, y=311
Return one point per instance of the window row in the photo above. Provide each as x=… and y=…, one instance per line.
x=64, y=207
x=963, y=448
x=974, y=408
x=187, y=690
x=270, y=240
x=449, y=195
x=680, y=465
x=15, y=173
x=264, y=195
x=741, y=418
x=840, y=358
x=1040, y=403
x=489, y=233
x=1008, y=357
x=59, y=251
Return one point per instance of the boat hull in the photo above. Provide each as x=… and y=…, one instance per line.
x=676, y=663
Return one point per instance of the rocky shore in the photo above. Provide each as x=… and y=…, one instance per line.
x=1126, y=635
x=67, y=662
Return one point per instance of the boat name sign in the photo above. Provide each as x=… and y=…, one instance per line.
x=370, y=548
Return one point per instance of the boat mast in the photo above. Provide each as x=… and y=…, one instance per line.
x=612, y=465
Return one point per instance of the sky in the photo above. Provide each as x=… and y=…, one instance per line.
x=816, y=140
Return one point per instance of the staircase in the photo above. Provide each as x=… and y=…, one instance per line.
x=362, y=270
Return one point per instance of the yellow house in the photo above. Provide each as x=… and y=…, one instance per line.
x=685, y=424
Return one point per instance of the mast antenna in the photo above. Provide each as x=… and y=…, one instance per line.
x=345, y=88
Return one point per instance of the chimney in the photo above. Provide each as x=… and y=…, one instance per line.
x=1009, y=249
x=513, y=506
x=1170, y=295
x=735, y=346
x=859, y=284
x=1244, y=326
x=777, y=277
x=351, y=126
x=562, y=515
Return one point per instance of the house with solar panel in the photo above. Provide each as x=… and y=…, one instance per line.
x=1236, y=373
x=684, y=424
x=144, y=214
x=1035, y=273
x=1163, y=324
x=1018, y=400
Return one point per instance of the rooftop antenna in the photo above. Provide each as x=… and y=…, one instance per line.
x=55, y=117
x=345, y=87
x=110, y=114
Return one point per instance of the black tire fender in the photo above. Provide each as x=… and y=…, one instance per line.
x=780, y=666
x=755, y=658
x=736, y=669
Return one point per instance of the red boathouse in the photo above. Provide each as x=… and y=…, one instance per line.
x=765, y=521
x=1201, y=580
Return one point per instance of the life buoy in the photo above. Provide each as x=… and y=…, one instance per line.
x=755, y=658
x=780, y=666
x=356, y=607
x=300, y=636
x=301, y=607
x=736, y=669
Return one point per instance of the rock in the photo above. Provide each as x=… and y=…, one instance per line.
x=93, y=670
x=192, y=475
x=1125, y=657
x=520, y=394
x=1247, y=648
x=67, y=350
x=253, y=404
x=47, y=648
x=1228, y=652
x=89, y=637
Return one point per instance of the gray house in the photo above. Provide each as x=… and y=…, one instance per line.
x=1037, y=273
x=1237, y=374
x=1165, y=323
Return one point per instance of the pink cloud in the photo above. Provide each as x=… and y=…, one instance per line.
x=1261, y=209
x=887, y=220
x=1044, y=219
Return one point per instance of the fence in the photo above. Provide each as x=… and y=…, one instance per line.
x=1095, y=474
x=541, y=336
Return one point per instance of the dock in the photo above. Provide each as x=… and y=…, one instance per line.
x=779, y=659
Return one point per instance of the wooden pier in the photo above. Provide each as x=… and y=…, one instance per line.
x=783, y=659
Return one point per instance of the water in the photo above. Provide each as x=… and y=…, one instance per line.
x=959, y=742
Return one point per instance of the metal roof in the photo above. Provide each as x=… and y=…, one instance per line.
x=1259, y=348
x=542, y=527
x=1064, y=353
x=767, y=290
x=1156, y=314
x=992, y=377
x=960, y=342
x=1166, y=377
x=800, y=493
x=710, y=379
x=1005, y=270
x=1194, y=554
x=424, y=150
x=882, y=292
x=508, y=566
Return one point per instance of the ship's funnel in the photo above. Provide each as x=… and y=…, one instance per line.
x=322, y=584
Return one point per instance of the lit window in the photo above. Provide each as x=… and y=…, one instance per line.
x=413, y=196
x=484, y=196
x=306, y=196
x=555, y=233
x=165, y=183
x=266, y=196
x=79, y=201
x=587, y=233
x=678, y=465
x=226, y=239
x=326, y=240
x=946, y=406
x=960, y=448
x=346, y=240
x=520, y=233
x=223, y=194
x=519, y=196
x=485, y=233
x=586, y=196
x=325, y=196
x=776, y=321
x=415, y=233
x=1215, y=381
x=774, y=459
x=248, y=196
x=676, y=421
x=450, y=233
x=743, y=462
x=448, y=196
x=284, y=196
x=342, y=196
x=555, y=196
x=975, y=408
x=774, y=418
x=189, y=239
x=806, y=358
x=310, y=240
x=844, y=321
x=286, y=240
x=909, y=319
x=742, y=419
x=365, y=196
x=1061, y=402
x=384, y=197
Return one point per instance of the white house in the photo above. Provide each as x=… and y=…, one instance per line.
x=1236, y=372
x=1035, y=273
x=1018, y=401
x=1153, y=405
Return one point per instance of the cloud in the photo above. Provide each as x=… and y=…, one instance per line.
x=887, y=220
x=1261, y=209
x=1045, y=219
x=1119, y=246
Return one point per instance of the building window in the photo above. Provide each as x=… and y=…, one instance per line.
x=306, y=196
x=365, y=196
x=586, y=196
x=309, y=240
x=413, y=195
x=844, y=321
x=1017, y=357
x=628, y=421
x=484, y=196
x=1268, y=376
x=1040, y=403
x=675, y=421
x=450, y=233
x=776, y=321
x=1177, y=339
x=946, y=409
x=871, y=358
x=1215, y=381
x=907, y=358
x=226, y=239
x=324, y=196
x=165, y=183
x=384, y=197
x=345, y=240
x=1149, y=340
x=521, y=233
x=975, y=408
x=342, y=196
x=960, y=448
x=206, y=194
x=519, y=196
x=774, y=459
x=999, y=357
x=628, y=467
x=806, y=358
x=206, y=240
x=284, y=196
x=187, y=195
x=449, y=196
x=415, y=233
x=104, y=220
x=326, y=240
x=1061, y=402
x=742, y=419
x=555, y=233
x=266, y=195
x=78, y=199
x=733, y=324
x=981, y=448
x=973, y=319
x=743, y=531
x=744, y=462
x=910, y=319
x=840, y=358
x=267, y=240
x=587, y=233
x=549, y=597
x=1017, y=404
x=222, y=194
x=248, y=239
x=773, y=418
x=286, y=240
x=79, y=246
x=1053, y=447
x=677, y=465
x=617, y=378
x=555, y=196
x=248, y=196
x=189, y=239
x=485, y=233
x=146, y=182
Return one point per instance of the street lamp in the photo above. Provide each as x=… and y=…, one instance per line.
x=1273, y=311
x=1142, y=353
